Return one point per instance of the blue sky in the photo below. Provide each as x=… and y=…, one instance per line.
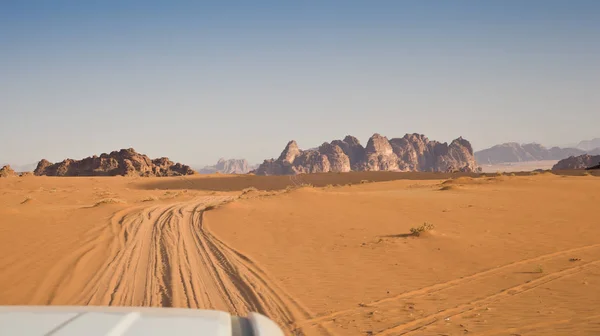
x=196, y=81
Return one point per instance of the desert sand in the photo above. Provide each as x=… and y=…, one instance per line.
x=332, y=254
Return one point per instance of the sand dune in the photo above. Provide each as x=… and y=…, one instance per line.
x=507, y=255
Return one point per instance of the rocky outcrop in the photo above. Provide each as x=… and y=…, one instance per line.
x=577, y=162
x=126, y=162
x=231, y=166
x=514, y=152
x=413, y=152
x=7, y=171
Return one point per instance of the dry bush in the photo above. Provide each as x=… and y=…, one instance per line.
x=248, y=190
x=417, y=231
x=150, y=199
x=110, y=201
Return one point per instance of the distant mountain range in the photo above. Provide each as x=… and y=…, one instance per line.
x=588, y=145
x=231, y=166
x=515, y=152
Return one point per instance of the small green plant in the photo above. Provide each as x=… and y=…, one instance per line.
x=416, y=231
x=539, y=269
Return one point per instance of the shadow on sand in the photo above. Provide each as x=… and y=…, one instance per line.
x=240, y=182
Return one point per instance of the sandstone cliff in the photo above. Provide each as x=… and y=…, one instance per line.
x=7, y=171
x=578, y=162
x=413, y=152
x=126, y=162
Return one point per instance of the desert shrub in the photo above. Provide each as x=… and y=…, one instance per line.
x=248, y=190
x=109, y=201
x=150, y=199
x=416, y=231
x=364, y=181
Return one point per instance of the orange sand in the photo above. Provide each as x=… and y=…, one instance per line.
x=508, y=254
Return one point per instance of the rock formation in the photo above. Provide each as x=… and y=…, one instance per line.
x=514, y=152
x=413, y=152
x=232, y=166
x=577, y=162
x=126, y=162
x=7, y=171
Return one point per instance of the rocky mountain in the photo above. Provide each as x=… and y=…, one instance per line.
x=413, y=152
x=231, y=166
x=514, y=152
x=588, y=145
x=7, y=171
x=577, y=162
x=126, y=162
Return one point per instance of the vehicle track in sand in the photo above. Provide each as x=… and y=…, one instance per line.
x=398, y=323
x=164, y=256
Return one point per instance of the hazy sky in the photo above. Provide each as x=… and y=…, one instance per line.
x=195, y=80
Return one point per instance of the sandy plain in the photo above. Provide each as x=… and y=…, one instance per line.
x=323, y=254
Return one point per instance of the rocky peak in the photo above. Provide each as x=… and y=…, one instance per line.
x=378, y=144
x=7, y=171
x=353, y=149
x=290, y=152
x=461, y=142
x=338, y=160
x=351, y=140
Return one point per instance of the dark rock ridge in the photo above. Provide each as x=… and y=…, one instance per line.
x=126, y=162
x=7, y=171
x=413, y=152
x=585, y=161
x=231, y=166
x=514, y=152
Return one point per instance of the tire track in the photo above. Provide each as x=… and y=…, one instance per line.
x=415, y=325
x=445, y=285
x=164, y=256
